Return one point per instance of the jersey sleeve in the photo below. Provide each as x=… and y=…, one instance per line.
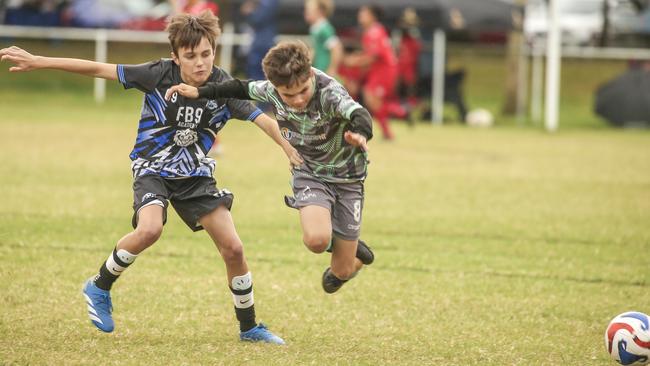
x=143, y=77
x=334, y=98
x=240, y=109
x=329, y=37
x=261, y=90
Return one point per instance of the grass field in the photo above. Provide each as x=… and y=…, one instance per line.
x=506, y=246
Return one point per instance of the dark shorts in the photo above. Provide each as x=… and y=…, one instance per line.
x=192, y=197
x=343, y=200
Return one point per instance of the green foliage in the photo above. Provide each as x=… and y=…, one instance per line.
x=504, y=246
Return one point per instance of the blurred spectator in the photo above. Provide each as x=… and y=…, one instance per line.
x=408, y=54
x=107, y=13
x=260, y=15
x=45, y=13
x=378, y=59
x=156, y=17
x=454, y=76
x=194, y=7
x=328, y=50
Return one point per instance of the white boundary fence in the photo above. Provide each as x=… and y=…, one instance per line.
x=229, y=39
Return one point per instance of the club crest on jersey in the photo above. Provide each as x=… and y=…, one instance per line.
x=185, y=138
x=282, y=112
x=212, y=105
x=286, y=133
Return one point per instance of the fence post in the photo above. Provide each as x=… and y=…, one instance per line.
x=227, y=41
x=438, y=76
x=101, y=40
x=522, y=82
x=553, y=58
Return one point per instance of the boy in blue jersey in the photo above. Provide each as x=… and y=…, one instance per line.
x=170, y=162
x=330, y=130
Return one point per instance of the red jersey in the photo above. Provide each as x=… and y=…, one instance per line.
x=409, y=53
x=376, y=42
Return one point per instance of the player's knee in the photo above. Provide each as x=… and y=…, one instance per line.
x=232, y=252
x=316, y=242
x=149, y=234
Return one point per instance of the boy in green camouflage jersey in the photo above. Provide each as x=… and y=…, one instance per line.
x=330, y=131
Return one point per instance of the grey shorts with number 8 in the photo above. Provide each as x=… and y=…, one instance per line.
x=343, y=200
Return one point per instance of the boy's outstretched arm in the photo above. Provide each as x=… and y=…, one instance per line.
x=270, y=127
x=238, y=89
x=25, y=61
x=234, y=88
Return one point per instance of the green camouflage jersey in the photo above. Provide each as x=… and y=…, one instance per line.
x=323, y=38
x=317, y=132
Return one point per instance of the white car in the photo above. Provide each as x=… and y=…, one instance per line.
x=580, y=21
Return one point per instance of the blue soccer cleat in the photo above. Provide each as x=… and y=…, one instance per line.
x=99, y=306
x=260, y=334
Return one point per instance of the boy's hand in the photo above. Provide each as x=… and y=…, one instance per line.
x=24, y=60
x=184, y=90
x=356, y=139
x=294, y=157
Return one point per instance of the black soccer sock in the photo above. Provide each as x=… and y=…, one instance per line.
x=113, y=267
x=242, y=295
x=246, y=318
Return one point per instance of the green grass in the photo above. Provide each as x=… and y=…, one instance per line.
x=505, y=246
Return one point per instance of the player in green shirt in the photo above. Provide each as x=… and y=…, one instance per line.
x=328, y=50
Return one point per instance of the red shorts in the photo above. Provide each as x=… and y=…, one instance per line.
x=380, y=85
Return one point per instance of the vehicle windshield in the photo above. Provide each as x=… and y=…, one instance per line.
x=581, y=6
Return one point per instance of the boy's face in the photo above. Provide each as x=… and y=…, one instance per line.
x=365, y=16
x=311, y=12
x=196, y=64
x=298, y=96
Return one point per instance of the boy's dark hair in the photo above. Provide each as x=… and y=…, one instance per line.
x=287, y=64
x=187, y=30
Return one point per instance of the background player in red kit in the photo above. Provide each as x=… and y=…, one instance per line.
x=378, y=59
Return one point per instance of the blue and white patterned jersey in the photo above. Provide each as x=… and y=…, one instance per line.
x=175, y=136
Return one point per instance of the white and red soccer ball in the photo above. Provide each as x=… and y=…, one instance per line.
x=627, y=338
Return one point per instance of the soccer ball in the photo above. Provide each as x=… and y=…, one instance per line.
x=479, y=118
x=627, y=338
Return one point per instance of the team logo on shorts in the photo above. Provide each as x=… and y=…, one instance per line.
x=148, y=196
x=305, y=194
x=185, y=137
